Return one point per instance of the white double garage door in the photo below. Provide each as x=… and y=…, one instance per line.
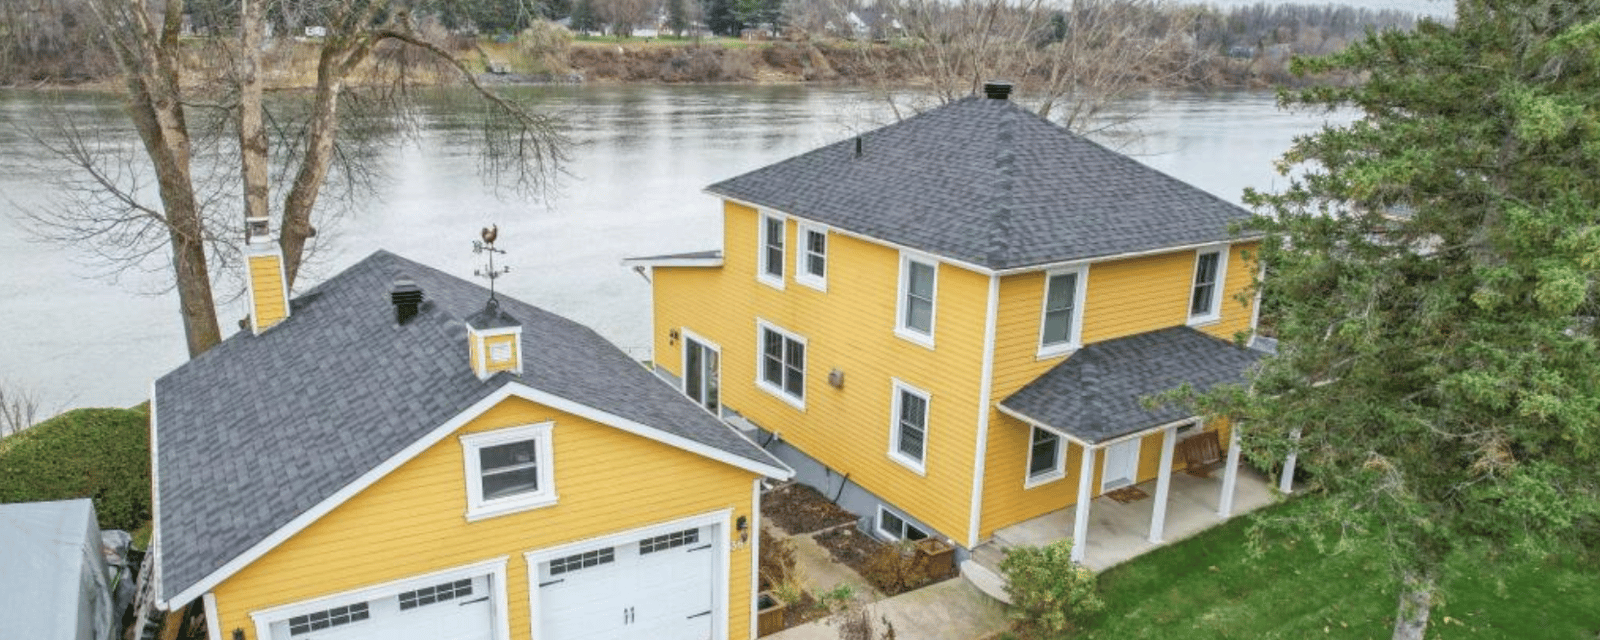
x=653, y=585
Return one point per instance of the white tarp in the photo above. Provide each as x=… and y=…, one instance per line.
x=53, y=579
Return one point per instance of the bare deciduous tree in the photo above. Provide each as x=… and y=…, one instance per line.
x=219, y=150
x=1071, y=64
x=19, y=410
x=622, y=15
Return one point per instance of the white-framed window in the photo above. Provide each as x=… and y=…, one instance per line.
x=908, y=432
x=772, y=238
x=1061, y=320
x=509, y=470
x=1046, y=458
x=895, y=527
x=811, y=257
x=919, y=290
x=1205, y=299
x=781, y=369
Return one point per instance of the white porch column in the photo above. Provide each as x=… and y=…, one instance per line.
x=1158, y=518
x=1080, y=521
x=1230, y=476
x=1286, y=481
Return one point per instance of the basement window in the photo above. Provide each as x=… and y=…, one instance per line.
x=895, y=527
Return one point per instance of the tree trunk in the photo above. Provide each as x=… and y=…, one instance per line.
x=1416, y=604
x=149, y=59
x=252, y=133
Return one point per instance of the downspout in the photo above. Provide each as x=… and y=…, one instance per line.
x=985, y=387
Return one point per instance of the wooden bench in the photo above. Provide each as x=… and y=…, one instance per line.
x=1201, y=453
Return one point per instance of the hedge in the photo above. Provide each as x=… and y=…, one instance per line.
x=102, y=454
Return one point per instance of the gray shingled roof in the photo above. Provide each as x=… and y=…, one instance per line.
x=989, y=183
x=261, y=428
x=1096, y=393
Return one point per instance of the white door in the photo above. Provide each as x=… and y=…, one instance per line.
x=447, y=610
x=1122, y=465
x=655, y=587
x=701, y=367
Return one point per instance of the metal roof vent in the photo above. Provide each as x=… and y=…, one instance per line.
x=407, y=298
x=997, y=90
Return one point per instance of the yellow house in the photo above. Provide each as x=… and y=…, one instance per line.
x=401, y=454
x=952, y=322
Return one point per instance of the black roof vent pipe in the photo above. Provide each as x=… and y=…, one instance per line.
x=407, y=298
x=997, y=90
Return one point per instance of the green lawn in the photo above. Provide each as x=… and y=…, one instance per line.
x=1209, y=587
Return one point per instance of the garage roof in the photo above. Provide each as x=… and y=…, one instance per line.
x=263, y=428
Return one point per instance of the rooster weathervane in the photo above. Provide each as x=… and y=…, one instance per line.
x=489, y=234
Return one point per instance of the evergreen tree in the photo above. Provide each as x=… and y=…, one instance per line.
x=584, y=19
x=1432, y=279
x=677, y=17
x=722, y=18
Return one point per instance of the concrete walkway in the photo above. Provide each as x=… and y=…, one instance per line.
x=949, y=610
x=819, y=572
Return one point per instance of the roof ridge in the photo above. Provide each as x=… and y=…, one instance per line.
x=1005, y=168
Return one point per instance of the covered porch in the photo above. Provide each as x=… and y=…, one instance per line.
x=1116, y=531
x=1098, y=402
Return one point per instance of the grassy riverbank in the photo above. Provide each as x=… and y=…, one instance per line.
x=1210, y=587
x=103, y=454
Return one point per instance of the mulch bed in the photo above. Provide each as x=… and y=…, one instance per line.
x=806, y=610
x=849, y=546
x=800, y=509
x=857, y=550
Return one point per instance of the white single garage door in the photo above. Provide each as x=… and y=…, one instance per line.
x=448, y=610
x=650, y=588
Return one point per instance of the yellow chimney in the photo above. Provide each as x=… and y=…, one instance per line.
x=269, y=297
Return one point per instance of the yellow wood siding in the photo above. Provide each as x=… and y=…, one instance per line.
x=266, y=286
x=850, y=327
x=412, y=521
x=1123, y=298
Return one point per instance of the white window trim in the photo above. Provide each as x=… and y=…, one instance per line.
x=477, y=507
x=762, y=275
x=877, y=525
x=1222, y=251
x=761, y=354
x=900, y=328
x=919, y=466
x=802, y=256
x=500, y=623
x=1029, y=480
x=1075, y=336
x=683, y=363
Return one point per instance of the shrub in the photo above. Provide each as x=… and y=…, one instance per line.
x=1051, y=595
x=777, y=565
x=103, y=454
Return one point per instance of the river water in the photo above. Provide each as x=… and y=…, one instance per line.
x=642, y=156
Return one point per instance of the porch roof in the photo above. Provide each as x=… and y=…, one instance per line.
x=1095, y=395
